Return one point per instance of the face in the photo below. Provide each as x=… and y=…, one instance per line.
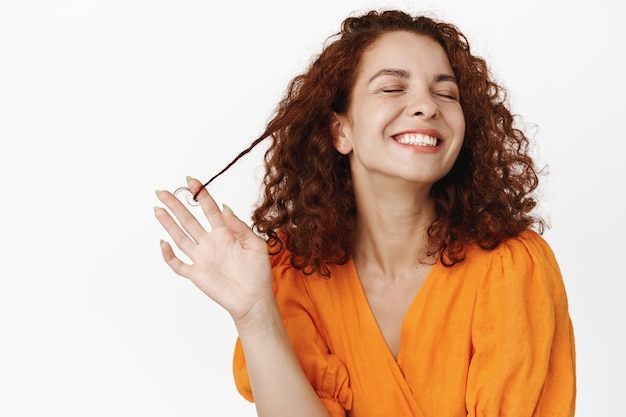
x=405, y=121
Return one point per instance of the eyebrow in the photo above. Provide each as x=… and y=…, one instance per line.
x=390, y=71
x=446, y=77
x=400, y=73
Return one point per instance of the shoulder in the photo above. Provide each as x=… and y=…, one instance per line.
x=283, y=262
x=288, y=280
x=530, y=243
x=280, y=256
x=529, y=252
x=286, y=277
x=528, y=248
x=321, y=296
x=523, y=265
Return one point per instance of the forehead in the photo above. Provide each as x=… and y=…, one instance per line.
x=405, y=50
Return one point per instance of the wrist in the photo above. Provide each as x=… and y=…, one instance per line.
x=262, y=318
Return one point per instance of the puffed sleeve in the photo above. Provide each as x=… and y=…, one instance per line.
x=523, y=359
x=325, y=371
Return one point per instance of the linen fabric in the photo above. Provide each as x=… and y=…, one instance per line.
x=490, y=336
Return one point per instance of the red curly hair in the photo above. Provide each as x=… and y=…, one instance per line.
x=308, y=200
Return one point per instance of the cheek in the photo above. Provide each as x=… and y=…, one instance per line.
x=460, y=119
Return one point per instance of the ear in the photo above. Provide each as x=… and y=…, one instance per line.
x=340, y=140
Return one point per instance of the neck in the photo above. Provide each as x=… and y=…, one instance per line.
x=390, y=236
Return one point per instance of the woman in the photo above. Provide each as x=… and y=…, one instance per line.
x=397, y=272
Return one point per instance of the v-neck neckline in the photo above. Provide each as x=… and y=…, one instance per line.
x=408, y=313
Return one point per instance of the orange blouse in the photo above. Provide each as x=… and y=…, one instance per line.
x=490, y=336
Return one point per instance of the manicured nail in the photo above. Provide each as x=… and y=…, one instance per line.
x=155, y=208
x=225, y=207
x=161, y=242
x=188, y=178
x=157, y=192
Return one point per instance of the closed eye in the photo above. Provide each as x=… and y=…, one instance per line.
x=447, y=95
x=392, y=90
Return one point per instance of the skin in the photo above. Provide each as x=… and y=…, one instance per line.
x=231, y=265
x=392, y=181
x=405, y=84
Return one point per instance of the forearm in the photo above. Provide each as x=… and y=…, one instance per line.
x=279, y=385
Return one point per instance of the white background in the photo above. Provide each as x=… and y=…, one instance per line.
x=102, y=102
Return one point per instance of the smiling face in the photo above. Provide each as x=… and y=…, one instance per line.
x=405, y=120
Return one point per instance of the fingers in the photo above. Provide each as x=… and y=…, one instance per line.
x=242, y=232
x=181, y=238
x=172, y=261
x=192, y=231
x=187, y=232
x=209, y=206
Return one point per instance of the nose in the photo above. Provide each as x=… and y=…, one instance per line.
x=423, y=105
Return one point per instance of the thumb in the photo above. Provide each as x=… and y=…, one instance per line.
x=240, y=230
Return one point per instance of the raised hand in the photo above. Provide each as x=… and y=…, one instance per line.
x=229, y=263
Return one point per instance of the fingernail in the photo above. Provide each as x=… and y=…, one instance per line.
x=157, y=192
x=225, y=207
x=155, y=208
x=188, y=178
x=161, y=242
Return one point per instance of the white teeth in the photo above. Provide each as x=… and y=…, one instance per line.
x=417, y=139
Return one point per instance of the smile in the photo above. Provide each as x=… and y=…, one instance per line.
x=417, y=139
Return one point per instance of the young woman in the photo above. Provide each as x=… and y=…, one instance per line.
x=394, y=266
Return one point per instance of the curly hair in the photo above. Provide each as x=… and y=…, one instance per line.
x=308, y=201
